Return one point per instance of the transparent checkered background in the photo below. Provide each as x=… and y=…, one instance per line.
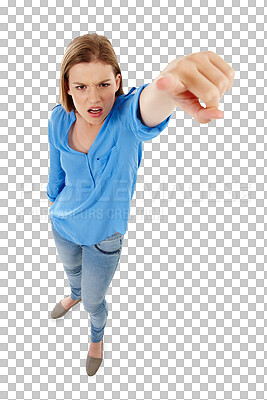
x=187, y=303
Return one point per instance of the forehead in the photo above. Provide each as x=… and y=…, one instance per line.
x=96, y=70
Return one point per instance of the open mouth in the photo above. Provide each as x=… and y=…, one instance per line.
x=95, y=112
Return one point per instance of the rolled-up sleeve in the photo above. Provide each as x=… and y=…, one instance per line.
x=141, y=131
x=56, y=179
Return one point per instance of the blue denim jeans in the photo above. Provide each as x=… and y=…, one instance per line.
x=90, y=270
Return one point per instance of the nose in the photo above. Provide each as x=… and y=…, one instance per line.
x=93, y=95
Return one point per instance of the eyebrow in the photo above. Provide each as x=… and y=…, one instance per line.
x=80, y=83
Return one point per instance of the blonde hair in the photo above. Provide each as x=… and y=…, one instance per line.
x=86, y=48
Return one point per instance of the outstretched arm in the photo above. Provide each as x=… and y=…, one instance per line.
x=182, y=83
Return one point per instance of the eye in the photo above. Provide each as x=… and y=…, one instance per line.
x=82, y=86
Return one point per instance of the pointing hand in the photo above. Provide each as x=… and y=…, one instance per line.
x=204, y=76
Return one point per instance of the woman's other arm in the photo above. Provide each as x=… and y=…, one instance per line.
x=56, y=179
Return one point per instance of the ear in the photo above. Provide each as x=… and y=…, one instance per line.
x=67, y=88
x=118, y=80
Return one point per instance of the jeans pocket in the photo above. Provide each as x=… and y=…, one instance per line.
x=108, y=246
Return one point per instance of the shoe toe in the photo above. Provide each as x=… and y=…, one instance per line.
x=92, y=365
x=58, y=311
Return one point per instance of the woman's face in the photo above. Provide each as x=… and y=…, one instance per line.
x=93, y=85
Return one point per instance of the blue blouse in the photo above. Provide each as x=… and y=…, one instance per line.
x=92, y=192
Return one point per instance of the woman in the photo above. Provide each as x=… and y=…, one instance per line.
x=95, y=135
x=95, y=138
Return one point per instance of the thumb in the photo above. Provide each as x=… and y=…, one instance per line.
x=169, y=84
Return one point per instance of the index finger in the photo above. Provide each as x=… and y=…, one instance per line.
x=220, y=63
x=198, y=84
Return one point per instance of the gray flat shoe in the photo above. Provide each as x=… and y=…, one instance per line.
x=93, y=363
x=59, y=310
